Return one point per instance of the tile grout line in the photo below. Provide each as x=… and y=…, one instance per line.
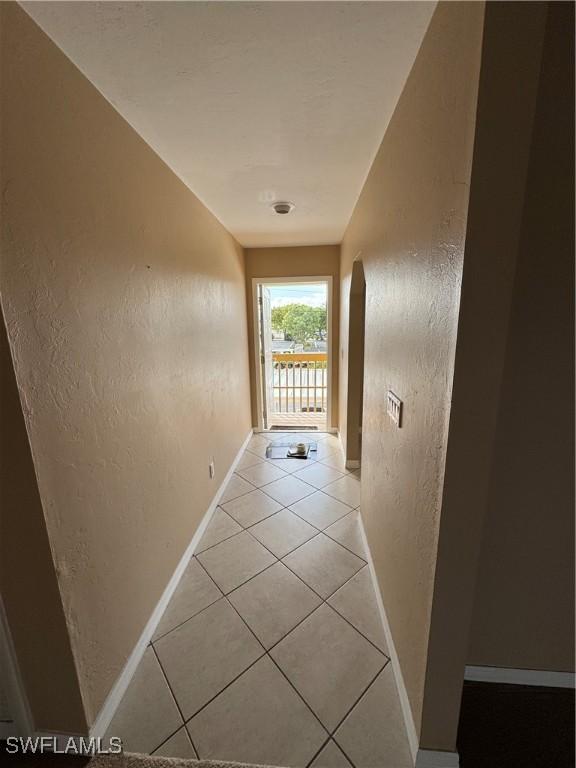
x=261, y=656
x=315, y=755
x=359, y=698
x=267, y=653
x=318, y=490
x=254, y=488
x=353, y=707
x=339, y=542
x=285, y=506
x=193, y=616
x=323, y=599
x=278, y=560
x=183, y=725
x=323, y=530
x=289, y=507
x=201, y=551
x=216, y=695
x=325, y=602
x=328, y=740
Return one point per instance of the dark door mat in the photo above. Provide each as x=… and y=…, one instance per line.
x=280, y=428
x=516, y=726
x=281, y=451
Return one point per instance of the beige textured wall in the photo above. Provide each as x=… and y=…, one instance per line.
x=524, y=608
x=125, y=308
x=511, y=50
x=302, y=261
x=408, y=228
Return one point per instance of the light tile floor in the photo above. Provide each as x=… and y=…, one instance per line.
x=271, y=650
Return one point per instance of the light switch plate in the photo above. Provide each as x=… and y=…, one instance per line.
x=394, y=408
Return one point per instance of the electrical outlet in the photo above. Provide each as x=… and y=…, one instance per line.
x=394, y=408
x=211, y=469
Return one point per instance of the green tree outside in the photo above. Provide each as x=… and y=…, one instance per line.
x=299, y=322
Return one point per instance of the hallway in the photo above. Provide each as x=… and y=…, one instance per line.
x=271, y=650
x=164, y=578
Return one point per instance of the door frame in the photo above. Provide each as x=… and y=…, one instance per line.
x=308, y=280
x=21, y=722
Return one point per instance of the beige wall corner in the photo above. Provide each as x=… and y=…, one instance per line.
x=524, y=606
x=125, y=307
x=300, y=261
x=408, y=228
x=506, y=226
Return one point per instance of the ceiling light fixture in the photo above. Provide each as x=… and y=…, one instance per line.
x=283, y=207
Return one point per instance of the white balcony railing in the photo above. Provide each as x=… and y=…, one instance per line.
x=300, y=382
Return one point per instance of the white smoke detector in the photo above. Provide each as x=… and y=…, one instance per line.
x=283, y=207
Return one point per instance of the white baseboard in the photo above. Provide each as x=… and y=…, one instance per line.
x=431, y=758
x=119, y=688
x=402, y=693
x=540, y=677
x=423, y=758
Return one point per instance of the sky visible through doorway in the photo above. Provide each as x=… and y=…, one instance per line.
x=313, y=295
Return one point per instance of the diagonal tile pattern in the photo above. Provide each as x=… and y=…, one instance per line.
x=283, y=532
x=147, y=714
x=178, y=745
x=259, y=719
x=236, y=487
x=323, y=564
x=235, y=560
x=195, y=592
x=336, y=461
x=291, y=466
x=320, y=510
x=362, y=735
x=271, y=650
x=261, y=474
x=206, y=653
x=347, y=532
x=346, y=489
x=331, y=756
x=248, y=460
x=330, y=664
x=251, y=508
x=220, y=527
x=318, y=475
x=273, y=603
x=356, y=602
x=288, y=490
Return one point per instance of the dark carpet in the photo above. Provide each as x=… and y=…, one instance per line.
x=516, y=726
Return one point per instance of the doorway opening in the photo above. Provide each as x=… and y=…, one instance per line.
x=355, y=398
x=292, y=334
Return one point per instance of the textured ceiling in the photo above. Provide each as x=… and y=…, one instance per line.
x=252, y=102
